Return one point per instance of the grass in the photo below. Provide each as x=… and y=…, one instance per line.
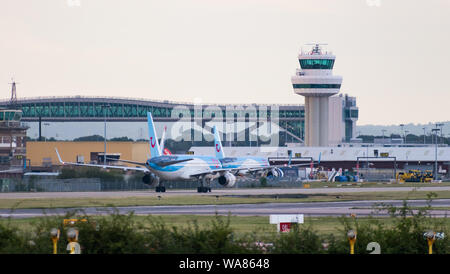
x=240, y=224
x=207, y=199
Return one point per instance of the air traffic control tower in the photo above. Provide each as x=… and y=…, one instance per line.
x=315, y=81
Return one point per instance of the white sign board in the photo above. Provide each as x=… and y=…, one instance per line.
x=284, y=221
x=286, y=218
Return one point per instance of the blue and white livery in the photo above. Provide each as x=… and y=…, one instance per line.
x=249, y=165
x=159, y=168
x=244, y=165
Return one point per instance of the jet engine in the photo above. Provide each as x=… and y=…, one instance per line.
x=275, y=172
x=150, y=179
x=227, y=179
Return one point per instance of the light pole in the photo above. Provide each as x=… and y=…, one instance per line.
x=104, y=107
x=46, y=124
x=367, y=159
x=383, y=130
x=406, y=133
x=402, y=125
x=435, y=130
x=424, y=135
x=440, y=125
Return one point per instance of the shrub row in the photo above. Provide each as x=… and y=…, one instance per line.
x=124, y=234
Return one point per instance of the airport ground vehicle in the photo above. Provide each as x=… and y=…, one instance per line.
x=415, y=175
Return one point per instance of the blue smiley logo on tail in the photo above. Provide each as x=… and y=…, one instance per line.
x=154, y=145
x=218, y=144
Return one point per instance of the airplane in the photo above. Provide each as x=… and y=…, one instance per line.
x=160, y=168
x=164, y=150
x=249, y=164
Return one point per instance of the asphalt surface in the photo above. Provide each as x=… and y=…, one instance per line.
x=219, y=192
x=360, y=208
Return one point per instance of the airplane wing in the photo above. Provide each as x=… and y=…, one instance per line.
x=213, y=172
x=168, y=163
x=126, y=161
x=11, y=170
x=256, y=169
x=292, y=165
x=296, y=165
x=234, y=170
x=143, y=169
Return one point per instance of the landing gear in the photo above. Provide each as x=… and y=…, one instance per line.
x=202, y=188
x=160, y=187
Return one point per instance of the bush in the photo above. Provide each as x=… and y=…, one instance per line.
x=122, y=234
x=300, y=240
x=11, y=241
x=217, y=238
x=114, y=234
x=405, y=236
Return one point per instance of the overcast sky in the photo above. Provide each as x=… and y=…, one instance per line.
x=394, y=55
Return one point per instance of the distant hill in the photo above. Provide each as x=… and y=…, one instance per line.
x=416, y=129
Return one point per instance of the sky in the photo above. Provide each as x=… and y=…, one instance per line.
x=393, y=55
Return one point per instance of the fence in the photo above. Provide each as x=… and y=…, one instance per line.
x=50, y=185
x=96, y=184
x=374, y=175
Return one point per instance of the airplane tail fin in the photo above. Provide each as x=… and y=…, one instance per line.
x=163, y=139
x=154, y=145
x=218, y=145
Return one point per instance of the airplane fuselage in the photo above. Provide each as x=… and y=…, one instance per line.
x=182, y=170
x=244, y=162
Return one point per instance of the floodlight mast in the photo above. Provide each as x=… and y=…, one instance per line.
x=435, y=130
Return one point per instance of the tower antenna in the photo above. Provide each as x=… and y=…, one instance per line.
x=317, y=47
x=13, y=100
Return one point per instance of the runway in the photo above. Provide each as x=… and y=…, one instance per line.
x=215, y=192
x=317, y=209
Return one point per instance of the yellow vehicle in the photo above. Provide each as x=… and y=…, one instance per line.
x=427, y=176
x=415, y=175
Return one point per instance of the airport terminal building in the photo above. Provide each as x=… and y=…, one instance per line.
x=321, y=128
x=55, y=117
x=127, y=117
